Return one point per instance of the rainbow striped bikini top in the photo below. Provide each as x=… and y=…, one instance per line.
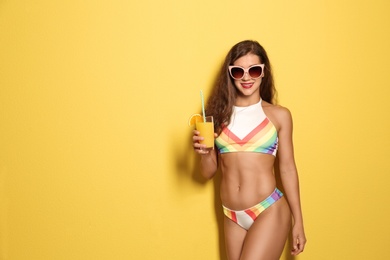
x=249, y=130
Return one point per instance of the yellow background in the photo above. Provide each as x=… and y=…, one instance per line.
x=95, y=152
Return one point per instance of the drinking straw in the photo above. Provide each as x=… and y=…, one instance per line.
x=202, y=98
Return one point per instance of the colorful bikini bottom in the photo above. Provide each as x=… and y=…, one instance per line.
x=246, y=217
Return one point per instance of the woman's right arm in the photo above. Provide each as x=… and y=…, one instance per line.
x=208, y=159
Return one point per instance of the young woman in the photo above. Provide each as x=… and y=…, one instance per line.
x=250, y=132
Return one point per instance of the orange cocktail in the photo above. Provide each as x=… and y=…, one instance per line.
x=206, y=129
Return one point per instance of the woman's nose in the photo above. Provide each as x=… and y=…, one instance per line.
x=246, y=76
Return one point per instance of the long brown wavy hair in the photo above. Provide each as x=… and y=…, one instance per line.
x=223, y=96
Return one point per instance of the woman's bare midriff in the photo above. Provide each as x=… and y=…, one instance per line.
x=247, y=179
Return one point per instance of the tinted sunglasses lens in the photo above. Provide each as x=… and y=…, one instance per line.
x=255, y=71
x=237, y=73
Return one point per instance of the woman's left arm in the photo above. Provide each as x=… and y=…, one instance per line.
x=289, y=177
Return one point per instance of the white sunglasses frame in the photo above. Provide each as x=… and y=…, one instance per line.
x=246, y=71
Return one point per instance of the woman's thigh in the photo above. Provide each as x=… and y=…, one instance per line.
x=267, y=236
x=234, y=238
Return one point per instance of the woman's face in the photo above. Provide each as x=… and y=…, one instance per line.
x=248, y=87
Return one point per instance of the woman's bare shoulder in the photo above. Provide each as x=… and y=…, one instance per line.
x=277, y=110
x=278, y=114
